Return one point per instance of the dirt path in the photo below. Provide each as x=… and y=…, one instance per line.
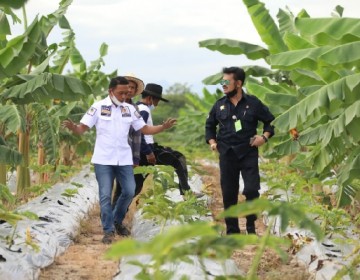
x=84, y=259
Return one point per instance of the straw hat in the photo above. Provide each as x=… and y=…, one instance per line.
x=137, y=81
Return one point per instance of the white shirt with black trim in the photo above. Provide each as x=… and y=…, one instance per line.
x=149, y=139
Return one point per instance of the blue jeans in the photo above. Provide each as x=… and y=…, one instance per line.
x=105, y=175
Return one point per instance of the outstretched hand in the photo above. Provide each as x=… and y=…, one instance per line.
x=75, y=128
x=68, y=124
x=170, y=122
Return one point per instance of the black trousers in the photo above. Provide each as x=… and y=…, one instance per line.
x=230, y=169
x=168, y=156
x=164, y=156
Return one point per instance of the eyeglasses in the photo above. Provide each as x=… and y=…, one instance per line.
x=224, y=82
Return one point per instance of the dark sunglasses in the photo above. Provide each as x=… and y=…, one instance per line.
x=224, y=82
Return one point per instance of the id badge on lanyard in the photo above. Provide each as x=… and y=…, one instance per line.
x=237, y=123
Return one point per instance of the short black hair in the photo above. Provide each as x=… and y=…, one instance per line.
x=119, y=80
x=239, y=73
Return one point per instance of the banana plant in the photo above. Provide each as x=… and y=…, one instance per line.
x=28, y=87
x=311, y=88
x=190, y=125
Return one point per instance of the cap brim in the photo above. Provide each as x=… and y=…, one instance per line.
x=163, y=99
x=156, y=95
x=140, y=84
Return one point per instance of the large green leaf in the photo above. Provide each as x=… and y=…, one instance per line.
x=258, y=71
x=63, y=111
x=344, y=54
x=343, y=126
x=287, y=147
x=265, y=26
x=8, y=155
x=47, y=127
x=4, y=26
x=233, y=47
x=63, y=55
x=329, y=31
x=341, y=90
x=323, y=158
x=305, y=59
x=346, y=193
x=213, y=79
x=18, y=52
x=12, y=117
x=296, y=42
x=351, y=169
x=305, y=78
x=15, y=4
x=44, y=65
x=286, y=22
x=45, y=87
x=57, y=17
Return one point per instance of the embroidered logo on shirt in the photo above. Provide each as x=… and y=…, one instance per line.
x=106, y=110
x=125, y=111
x=91, y=111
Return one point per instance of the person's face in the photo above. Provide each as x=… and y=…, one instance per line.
x=155, y=101
x=120, y=92
x=132, y=90
x=229, y=84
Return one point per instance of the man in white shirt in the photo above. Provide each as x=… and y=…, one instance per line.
x=112, y=157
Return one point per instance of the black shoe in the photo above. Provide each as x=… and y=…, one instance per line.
x=122, y=230
x=108, y=238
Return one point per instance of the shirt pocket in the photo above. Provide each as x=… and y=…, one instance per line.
x=222, y=116
x=248, y=121
x=105, y=125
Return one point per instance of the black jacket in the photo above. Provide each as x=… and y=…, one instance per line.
x=220, y=124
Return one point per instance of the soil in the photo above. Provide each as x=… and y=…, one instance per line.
x=84, y=259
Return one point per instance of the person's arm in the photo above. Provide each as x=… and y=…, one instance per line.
x=266, y=118
x=148, y=129
x=210, y=129
x=136, y=143
x=78, y=129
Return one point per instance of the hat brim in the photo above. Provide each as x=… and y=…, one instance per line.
x=140, y=84
x=154, y=94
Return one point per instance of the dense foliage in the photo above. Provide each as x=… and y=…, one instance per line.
x=312, y=86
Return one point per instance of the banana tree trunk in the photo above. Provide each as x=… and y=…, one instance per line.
x=23, y=171
x=65, y=154
x=3, y=174
x=41, y=176
x=2, y=166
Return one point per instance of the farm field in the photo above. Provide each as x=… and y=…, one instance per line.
x=85, y=258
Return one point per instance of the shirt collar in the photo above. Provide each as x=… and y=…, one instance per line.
x=244, y=96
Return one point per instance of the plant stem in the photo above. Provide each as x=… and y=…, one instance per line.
x=25, y=17
x=251, y=275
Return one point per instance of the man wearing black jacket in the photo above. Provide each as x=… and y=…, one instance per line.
x=236, y=115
